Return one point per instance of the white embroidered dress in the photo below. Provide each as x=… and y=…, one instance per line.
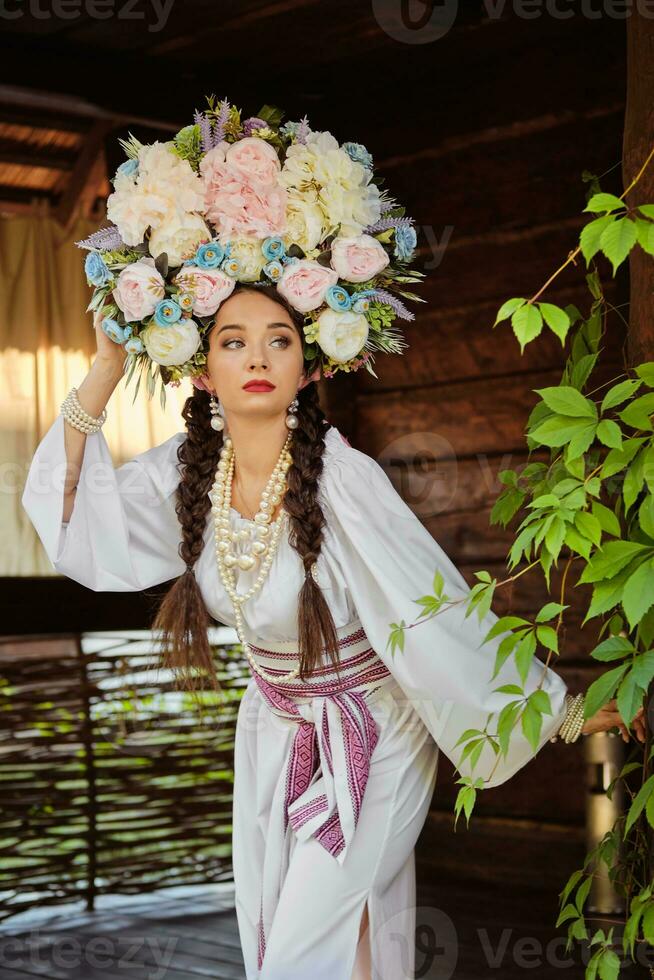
x=320, y=825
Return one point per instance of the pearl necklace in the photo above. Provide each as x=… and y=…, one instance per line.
x=261, y=549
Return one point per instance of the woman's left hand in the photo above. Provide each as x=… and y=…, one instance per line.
x=609, y=717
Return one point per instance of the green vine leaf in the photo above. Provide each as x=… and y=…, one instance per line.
x=556, y=319
x=603, y=689
x=527, y=323
x=508, y=309
x=638, y=593
x=617, y=240
x=604, y=202
x=589, y=239
x=638, y=413
x=565, y=400
x=609, y=433
x=619, y=393
x=645, y=233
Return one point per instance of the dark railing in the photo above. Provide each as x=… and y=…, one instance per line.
x=111, y=778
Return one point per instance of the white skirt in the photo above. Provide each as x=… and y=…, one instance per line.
x=309, y=887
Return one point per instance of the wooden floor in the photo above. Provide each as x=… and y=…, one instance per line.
x=470, y=932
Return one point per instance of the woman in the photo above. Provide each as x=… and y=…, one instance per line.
x=335, y=766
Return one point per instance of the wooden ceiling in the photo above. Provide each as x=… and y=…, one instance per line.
x=71, y=83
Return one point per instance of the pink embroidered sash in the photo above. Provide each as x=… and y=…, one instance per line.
x=329, y=762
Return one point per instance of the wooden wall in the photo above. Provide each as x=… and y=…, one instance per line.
x=510, y=118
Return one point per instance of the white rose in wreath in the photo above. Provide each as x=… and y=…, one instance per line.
x=178, y=236
x=341, y=335
x=173, y=344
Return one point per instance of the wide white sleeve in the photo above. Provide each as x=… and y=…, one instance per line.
x=123, y=534
x=388, y=560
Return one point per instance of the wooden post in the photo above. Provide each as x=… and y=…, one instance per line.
x=637, y=143
x=87, y=177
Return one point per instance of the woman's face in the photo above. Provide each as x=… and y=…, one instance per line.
x=254, y=338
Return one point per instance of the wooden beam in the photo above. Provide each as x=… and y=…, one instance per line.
x=87, y=176
x=23, y=154
x=20, y=200
x=16, y=97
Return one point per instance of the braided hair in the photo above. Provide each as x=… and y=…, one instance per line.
x=182, y=618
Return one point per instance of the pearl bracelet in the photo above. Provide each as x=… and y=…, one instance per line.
x=74, y=414
x=570, y=728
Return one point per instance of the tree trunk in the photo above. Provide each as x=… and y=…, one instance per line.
x=637, y=144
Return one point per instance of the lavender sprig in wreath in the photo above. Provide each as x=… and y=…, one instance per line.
x=104, y=239
x=221, y=122
x=385, y=297
x=302, y=130
x=384, y=223
x=202, y=120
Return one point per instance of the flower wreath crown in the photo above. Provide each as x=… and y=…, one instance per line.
x=227, y=201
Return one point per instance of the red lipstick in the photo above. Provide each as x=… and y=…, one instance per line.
x=258, y=386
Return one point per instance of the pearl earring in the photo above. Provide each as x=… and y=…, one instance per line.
x=292, y=421
x=217, y=420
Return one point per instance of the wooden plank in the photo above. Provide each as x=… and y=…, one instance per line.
x=451, y=421
x=452, y=343
x=529, y=178
x=494, y=265
x=499, y=850
x=447, y=421
x=441, y=488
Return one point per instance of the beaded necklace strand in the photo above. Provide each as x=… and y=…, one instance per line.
x=264, y=545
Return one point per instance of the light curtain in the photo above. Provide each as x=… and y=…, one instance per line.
x=47, y=344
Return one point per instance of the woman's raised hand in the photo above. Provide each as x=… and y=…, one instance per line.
x=109, y=352
x=609, y=717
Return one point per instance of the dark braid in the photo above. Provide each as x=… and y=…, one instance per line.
x=315, y=623
x=183, y=618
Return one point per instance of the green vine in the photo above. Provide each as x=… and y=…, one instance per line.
x=591, y=505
